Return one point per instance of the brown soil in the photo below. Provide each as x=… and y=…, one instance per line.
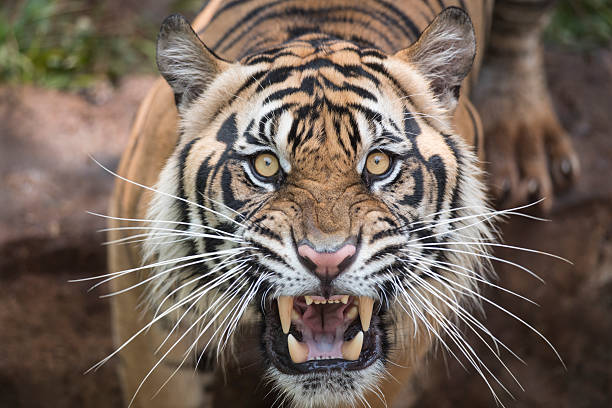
x=52, y=330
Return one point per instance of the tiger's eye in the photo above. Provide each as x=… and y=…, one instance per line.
x=378, y=163
x=266, y=165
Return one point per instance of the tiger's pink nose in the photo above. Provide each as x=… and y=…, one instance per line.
x=327, y=265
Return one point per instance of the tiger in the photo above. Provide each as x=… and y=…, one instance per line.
x=308, y=190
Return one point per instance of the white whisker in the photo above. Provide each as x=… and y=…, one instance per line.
x=204, y=291
x=190, y=224
x=462, y=313
x=169, y=195
x=113, y=275
x=493, y=244
x=175, y=344
x=483, y=255
x=472, y=275
x=225, y=263
x=168, y=230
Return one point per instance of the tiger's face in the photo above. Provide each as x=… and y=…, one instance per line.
x=319, y=183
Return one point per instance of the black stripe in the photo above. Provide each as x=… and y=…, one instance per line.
x=360, y=26
x=210, y=245
x=250, y=138
x=475, y=125
x=266, y=56
x=411, y=128
x=362, y=92
x=270, y=254
x=338, y=130
x=304, y=14
x=405, y=19
x=240, y=23
x=459, y=158
x=227, y=192
x=183, y=205
x=435, y=164
x=379, y=68
x=391, y=249
x=417, y=196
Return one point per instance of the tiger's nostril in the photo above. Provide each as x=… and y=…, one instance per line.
x=327, y=265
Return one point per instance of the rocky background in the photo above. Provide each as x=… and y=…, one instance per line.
x=51, y=330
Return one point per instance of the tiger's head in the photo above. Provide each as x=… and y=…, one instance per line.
x=322, y=191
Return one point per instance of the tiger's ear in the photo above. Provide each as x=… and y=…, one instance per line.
x=444, y=53
x=184, y=61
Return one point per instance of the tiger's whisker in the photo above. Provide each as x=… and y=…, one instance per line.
x=508, y=211
x=467, y=350
x=183, y=232
x=485, y=256
x=493, y=244
x=472, y=275
x=504, y=310
x=157, y=241
x=200, y=295
x=149, y=221
x=150, y=278
x=462, y=313
x=173, y=346
x=143, y=329
x=169, y=195
x=157, y=264
x=225, y=263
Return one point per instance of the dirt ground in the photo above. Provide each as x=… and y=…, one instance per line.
x=51, y=331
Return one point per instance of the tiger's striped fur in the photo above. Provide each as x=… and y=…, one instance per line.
x=320, y=84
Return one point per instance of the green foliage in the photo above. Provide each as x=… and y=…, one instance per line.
x=57, y=44
x=581, y=24
x=188, y=8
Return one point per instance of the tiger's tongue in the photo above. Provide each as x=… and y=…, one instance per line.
x=322, y=328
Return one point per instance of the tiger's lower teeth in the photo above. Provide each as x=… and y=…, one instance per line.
x=299, y=351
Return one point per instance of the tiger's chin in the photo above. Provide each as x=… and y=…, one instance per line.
x=334, y=388
x=324, y=352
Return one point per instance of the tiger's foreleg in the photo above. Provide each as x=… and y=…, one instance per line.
x=529, y=155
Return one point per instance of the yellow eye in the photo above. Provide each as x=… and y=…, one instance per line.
x=266, y=165
x=377, y=163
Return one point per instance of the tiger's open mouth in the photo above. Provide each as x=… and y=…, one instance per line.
x=311, y=333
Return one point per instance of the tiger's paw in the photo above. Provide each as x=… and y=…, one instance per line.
x=529, y=156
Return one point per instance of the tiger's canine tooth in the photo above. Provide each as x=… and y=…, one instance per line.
x=285, y=306
x=344, y=299
x=308, y=300
x=366, y=304
x=297, y=351
x=352, y=348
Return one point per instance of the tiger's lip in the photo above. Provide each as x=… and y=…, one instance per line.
x=363, y=343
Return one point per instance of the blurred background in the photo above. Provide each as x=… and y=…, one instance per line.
x=72, y=73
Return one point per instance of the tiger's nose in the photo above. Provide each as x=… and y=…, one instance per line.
x=327, y=265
